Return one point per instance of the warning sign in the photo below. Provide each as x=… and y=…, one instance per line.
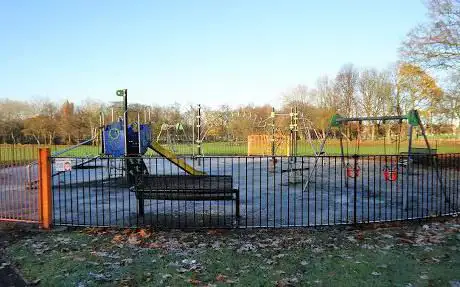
x=63, y=164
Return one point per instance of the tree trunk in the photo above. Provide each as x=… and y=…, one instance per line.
x=372, y=132
x=36, y=138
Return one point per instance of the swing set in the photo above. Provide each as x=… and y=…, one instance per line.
x=390, y=171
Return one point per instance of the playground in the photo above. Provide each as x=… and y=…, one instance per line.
x=276, y=179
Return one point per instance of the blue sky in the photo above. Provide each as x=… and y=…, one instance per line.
x=211, y=52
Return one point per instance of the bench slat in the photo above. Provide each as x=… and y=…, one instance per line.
x=185, y=196
x=185, y=182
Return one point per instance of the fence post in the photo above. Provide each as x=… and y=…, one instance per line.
x=355, y=188
x=44, y=188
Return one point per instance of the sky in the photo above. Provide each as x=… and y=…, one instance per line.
x=211, y=52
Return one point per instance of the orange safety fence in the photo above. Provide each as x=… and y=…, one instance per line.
x=262, y=145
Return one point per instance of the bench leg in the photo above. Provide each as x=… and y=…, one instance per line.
x=237, y=205
x=140, y=204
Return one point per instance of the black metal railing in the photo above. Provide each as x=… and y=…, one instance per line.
x=18, y=183
x=255, y=191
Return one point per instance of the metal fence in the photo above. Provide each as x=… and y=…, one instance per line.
x=18, y=183
x=255, y=191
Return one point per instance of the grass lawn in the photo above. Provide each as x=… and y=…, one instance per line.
x=422, y=254
x=24, y=153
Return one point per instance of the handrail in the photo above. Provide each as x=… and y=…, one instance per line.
x=66, y=150
x=73, y=147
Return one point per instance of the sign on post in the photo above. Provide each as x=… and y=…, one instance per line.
x=63, y=164
x=121, y=93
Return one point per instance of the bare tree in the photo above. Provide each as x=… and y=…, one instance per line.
x=325, y=93
x=300, y=95
x=437, y=42
x=450, y=105
x=345, y=89
x=371, y=101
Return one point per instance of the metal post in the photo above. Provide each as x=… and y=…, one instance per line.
x=409, y=149
x=343, y=156
x=198, y=141
x=273, y=132
x=295, y=132
x=125, y=131
x=310, y=174
x=434, y=159
x=112, y=115
x=44, y=192
x=139, y=133
x=101, y=128
x=291, y=132
x=125, y=120
x=355, y=188
x=193, y=136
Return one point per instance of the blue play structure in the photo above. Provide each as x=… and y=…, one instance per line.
x=114, y=139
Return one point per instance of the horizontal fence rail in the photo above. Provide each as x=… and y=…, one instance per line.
x=242, y=192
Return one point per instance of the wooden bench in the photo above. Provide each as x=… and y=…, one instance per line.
x=420, y=155
x=186, y=187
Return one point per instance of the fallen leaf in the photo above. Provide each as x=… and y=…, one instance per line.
x=405, y=240
x=221, y=278
x=132, y=239
x=144, y=234
x=215, y=232
x=155, y=245
x=194, y=281
x=117, y=238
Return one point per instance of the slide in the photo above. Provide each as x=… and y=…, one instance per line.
x=169, y=155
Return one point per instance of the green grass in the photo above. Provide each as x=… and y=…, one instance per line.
x=27, y=153
x=406, y=256
x=332, y=147
x=24, y=153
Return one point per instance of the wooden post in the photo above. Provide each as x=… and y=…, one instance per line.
x=44, y=192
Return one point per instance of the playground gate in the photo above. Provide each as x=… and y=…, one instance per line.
x=19, y=183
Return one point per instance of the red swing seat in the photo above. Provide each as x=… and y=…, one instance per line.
x=351, y=172
x=390, y=174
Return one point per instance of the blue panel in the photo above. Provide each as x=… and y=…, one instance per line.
x=146, y=137
x=114, y=139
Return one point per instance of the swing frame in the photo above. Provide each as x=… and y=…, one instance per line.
x=337, y=121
